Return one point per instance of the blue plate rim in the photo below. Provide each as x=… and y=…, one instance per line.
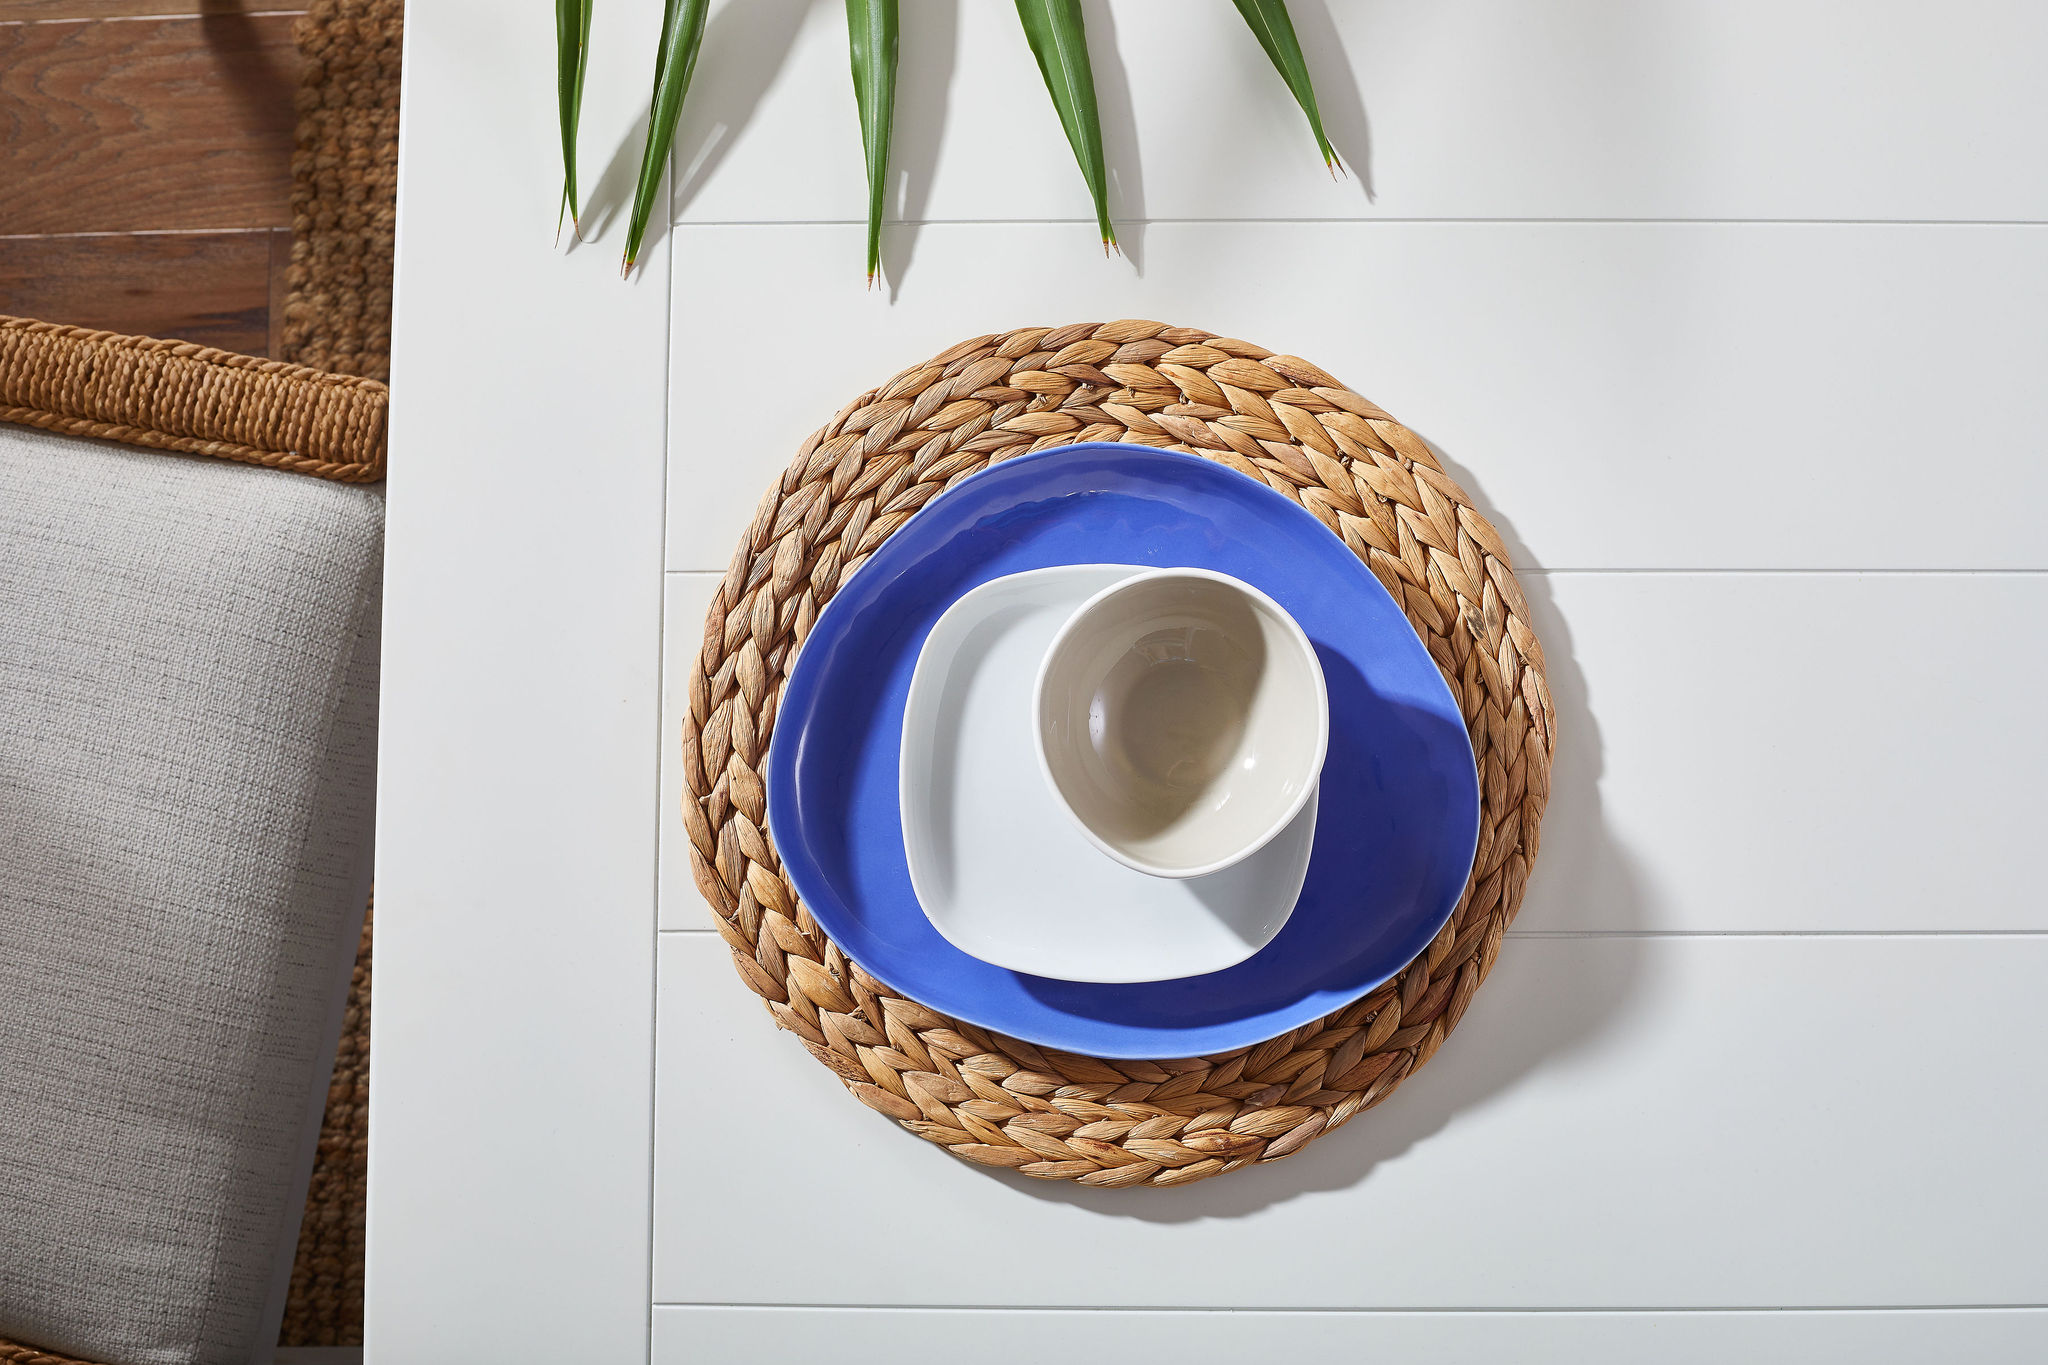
x=800, y=867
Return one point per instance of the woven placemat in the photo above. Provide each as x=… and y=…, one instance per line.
x=1278, y=419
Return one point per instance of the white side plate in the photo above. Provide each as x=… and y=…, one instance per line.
x=999, y=869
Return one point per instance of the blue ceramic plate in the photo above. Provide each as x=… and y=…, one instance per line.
x=1399, y=803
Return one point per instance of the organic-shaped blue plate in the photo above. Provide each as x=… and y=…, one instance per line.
x=1399, y=813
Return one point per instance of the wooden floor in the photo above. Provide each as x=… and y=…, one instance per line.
x=145, y=149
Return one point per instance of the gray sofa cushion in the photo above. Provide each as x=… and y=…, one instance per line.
x=188, y=654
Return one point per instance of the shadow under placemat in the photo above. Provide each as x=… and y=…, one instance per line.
x=1516, y=1027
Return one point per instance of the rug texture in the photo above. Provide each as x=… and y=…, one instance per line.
x=338, y=318
x=337, y=315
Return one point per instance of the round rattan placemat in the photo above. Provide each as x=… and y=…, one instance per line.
x=996, y=1100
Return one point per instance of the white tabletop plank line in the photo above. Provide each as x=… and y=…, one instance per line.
x=1758, y=754
x=511, y=1128
x=1709, y=572
x=1617, y=397
x=709, y=578
x=1269, y=220
x=715, y=1335
x=1623, y=1124
x=1480, y=1311
x=1567, y=934
x=1445, y=109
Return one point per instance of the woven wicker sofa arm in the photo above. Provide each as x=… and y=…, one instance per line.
x=173, y=395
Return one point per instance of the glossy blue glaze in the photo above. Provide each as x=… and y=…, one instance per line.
x=1400, y=800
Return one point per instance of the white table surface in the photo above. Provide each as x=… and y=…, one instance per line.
x=1733, y=313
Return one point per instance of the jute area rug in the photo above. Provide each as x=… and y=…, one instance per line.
x=338, y=318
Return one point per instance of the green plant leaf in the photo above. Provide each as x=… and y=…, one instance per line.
x=572, y=56
x=1269, y=20
x=675, y=58
x=1060, y=42
x=871, y=39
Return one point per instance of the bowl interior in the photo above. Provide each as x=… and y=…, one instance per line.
x=1181, y=720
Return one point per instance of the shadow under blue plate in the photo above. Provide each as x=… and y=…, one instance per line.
x=1399, y=815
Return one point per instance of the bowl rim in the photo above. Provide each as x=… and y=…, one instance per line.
x=1303, y=645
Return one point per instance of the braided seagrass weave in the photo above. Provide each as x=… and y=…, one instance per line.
x=996, y=1100
x=173, y=395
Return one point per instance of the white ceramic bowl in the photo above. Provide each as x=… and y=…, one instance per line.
x=1181, y=720
x=998, y=865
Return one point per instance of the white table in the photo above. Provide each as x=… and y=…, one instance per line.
x=1731, y=311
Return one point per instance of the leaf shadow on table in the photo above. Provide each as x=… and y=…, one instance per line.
x=1121, y=157
x=612, y=194
x=929, y=46
x=745, y=48
x=1521, y=1023
x=1337, y=92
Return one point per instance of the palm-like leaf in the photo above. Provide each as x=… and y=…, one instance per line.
x=675, y=58
x=871, y=40
x=1060, y=42
x=1275, y=29
x=572, y=56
